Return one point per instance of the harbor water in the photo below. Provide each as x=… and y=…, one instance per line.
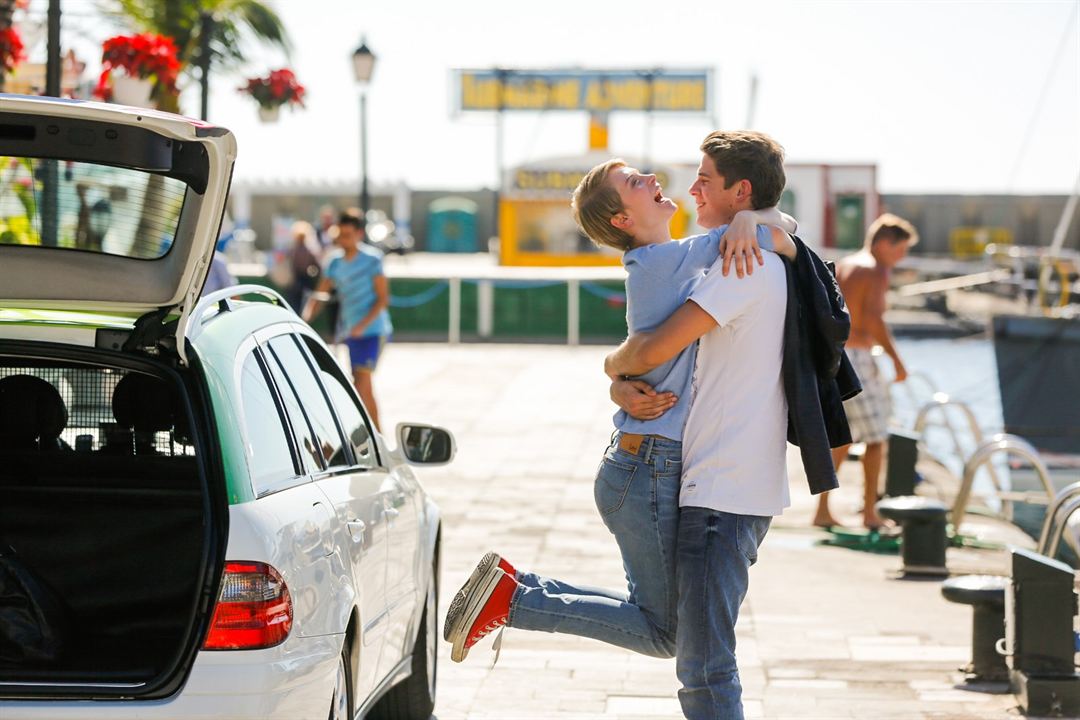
x=965, y=370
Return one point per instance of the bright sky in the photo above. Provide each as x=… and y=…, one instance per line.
x=968, y=97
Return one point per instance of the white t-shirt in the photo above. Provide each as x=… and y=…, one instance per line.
x=735, y=442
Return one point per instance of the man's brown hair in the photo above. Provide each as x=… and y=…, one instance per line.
x=595, y=202
x=892, y=228
x=351, y=217
x=749, y=155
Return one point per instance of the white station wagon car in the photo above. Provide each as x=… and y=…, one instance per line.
x=197, y=517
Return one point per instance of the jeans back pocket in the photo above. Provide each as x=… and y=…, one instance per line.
x=613, y=480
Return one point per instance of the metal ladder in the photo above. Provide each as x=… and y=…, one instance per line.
x=1012, y=445
x=941, y=402
x=985, y=450
x=1061, y=509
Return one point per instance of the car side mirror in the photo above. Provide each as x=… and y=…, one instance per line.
x=426, y=444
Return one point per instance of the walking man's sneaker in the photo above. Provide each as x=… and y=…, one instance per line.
x=487, y=562
x=484, y=607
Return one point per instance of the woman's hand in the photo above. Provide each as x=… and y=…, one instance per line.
x=739, y=243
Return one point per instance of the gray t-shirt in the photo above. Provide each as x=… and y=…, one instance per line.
x=659, y=279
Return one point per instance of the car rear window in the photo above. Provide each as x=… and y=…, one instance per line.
x=89, y=207
x=54, y=406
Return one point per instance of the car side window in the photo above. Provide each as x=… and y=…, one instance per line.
x=266, y=442
x=353, y=418
x=305, y=436
x=302, y=381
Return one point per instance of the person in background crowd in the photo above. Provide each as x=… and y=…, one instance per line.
x=304, y=265
x=219, y=276
x=326, y=228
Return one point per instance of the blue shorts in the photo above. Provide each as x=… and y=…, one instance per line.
x=364, y=351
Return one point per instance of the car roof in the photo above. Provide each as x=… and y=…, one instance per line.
x=221, y=330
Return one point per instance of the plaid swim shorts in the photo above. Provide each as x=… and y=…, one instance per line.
x=868, y=412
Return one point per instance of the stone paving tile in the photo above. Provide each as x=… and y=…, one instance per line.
x=642, y=706
x=809, y=685
x=531, y=424
x=915, y=653
x=790, y=673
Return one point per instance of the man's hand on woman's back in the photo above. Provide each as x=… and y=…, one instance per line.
x=640, y=400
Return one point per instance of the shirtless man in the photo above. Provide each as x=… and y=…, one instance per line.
x=864, y=280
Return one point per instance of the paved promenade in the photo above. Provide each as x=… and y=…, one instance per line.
x=824, y=633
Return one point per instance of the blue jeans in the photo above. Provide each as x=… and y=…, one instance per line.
x=638, y=499
x=716, y=550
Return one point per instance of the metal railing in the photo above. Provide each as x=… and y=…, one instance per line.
x=1057, y=520
x=1002, y=443
x=942, y=402
x=1062, y=505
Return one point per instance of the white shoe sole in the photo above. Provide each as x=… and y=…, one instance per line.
x=472, y=604
x=453, y=614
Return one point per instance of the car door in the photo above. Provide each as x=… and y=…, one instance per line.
x=397, y=493
x=404, y=557
x=302, y=537
x=356, y=495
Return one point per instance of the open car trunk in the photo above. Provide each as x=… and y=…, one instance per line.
x=106, y=501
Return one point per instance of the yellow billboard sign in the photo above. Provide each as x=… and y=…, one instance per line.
x=557, y=180
x=597, y=91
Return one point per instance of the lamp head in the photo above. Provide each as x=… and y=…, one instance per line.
x=363, y=63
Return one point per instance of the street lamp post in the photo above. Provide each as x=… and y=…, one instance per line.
x=206, y=29
x=50, y=198
x=363, y=66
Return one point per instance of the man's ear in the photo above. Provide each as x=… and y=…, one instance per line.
x=621, y=221
x=745, y=190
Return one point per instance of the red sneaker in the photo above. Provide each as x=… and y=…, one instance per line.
x=487, y=562
x=485, y=608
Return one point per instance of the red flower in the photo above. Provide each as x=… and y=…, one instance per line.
x=146, y=56
x=276, y=89
x=11, y=49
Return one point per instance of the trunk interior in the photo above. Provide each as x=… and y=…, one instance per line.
x=103, y=502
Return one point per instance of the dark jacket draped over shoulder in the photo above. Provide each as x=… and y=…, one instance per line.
x=818, y=376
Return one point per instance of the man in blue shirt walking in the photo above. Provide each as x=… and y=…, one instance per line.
x=364, y=321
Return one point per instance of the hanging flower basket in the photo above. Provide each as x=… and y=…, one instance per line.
x=145, y=57
x=269, y=114
x=12, y=51
x=273, y=91
x=135, y=92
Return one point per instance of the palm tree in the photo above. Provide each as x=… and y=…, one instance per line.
x=236, y=22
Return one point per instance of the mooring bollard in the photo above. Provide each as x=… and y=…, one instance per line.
x=986, y=595
x=900, y=476
x=1039, y=645
x=922, y=521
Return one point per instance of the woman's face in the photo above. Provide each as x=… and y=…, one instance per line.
x=642, y=198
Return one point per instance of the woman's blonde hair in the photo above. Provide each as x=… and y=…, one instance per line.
x=595, y=202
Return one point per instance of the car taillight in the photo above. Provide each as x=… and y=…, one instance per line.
x=253, y=611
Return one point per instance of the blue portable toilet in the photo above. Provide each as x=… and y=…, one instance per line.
x=452, y=225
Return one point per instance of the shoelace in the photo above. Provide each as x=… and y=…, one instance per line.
x=491, y=627
x=497, y=645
